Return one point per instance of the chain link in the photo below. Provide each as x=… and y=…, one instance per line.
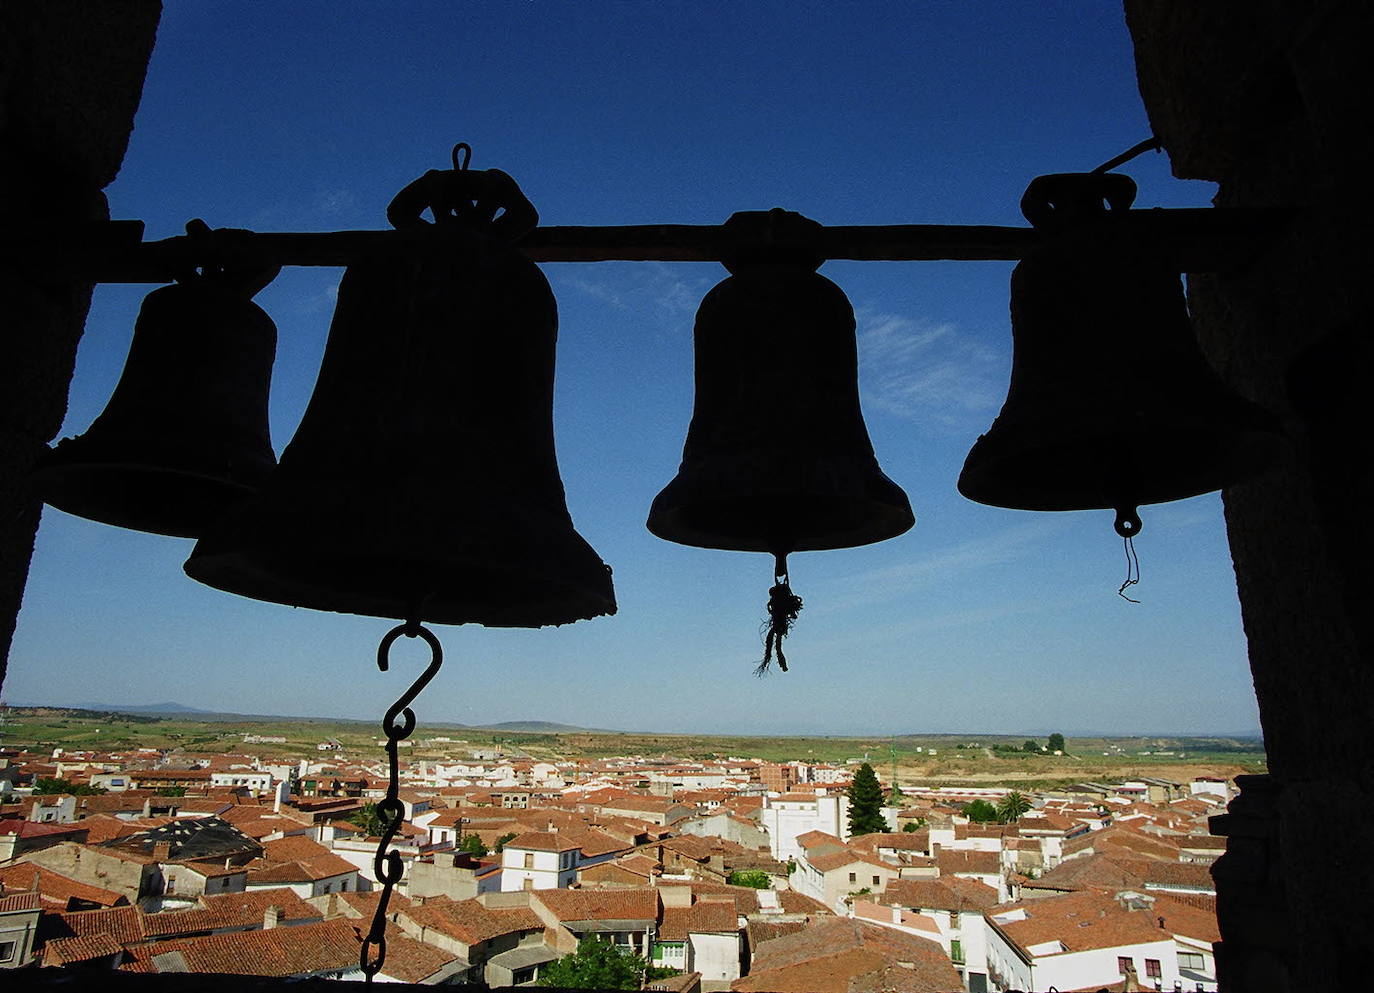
x=399, y=722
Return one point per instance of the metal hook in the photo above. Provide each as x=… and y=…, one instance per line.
x=465, y=147
x=410, y=629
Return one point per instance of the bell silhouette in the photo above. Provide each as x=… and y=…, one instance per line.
x=1111, y=404
x=777, y=457
x=185, y=434
x=422, y=482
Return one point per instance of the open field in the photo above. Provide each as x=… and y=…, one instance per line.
x=921, y=759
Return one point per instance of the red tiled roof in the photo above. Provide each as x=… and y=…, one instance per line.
x=542, y=841
x=1079, y=922
x=839, y=955
x=469, y=921
x=14, y=903
x=623, y=904
x=282, y=951
x=55, y=888
x=84, y=948
x=945, y=893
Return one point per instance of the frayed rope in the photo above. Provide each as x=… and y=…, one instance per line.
x=783, y=608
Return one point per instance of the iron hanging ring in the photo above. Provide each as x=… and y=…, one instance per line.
x=371, y=967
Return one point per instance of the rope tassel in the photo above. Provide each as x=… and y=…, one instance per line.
x=783, y=608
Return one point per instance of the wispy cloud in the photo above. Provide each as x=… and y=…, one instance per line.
x=337, y=201
x=946, y=564
x=648, y=288
x=928, y=372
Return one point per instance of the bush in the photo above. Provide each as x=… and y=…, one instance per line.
x=754, y=878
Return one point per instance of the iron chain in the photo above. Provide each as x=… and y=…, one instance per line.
x=399, y=722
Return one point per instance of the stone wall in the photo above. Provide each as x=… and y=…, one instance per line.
x=71, y=75
x=1264, y=98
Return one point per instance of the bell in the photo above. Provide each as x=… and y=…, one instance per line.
x=185, y=434
x=422, y=482
x=1112, y=404
x=777, y=457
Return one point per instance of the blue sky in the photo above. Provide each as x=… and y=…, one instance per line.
x=307, y=116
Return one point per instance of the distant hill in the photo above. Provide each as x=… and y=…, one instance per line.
x=142, y=708
x=536, y=727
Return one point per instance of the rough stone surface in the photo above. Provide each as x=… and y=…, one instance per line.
x=1268, y=100
x=71, y=75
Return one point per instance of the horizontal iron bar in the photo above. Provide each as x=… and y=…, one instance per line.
x=1195, y=239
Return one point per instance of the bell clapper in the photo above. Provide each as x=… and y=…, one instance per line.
x=1128, y=526
x=783, y=608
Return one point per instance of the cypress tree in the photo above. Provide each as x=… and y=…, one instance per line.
x=866, y=803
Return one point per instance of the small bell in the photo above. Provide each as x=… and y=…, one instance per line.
x=777, y=457
x=422, y=482
x=1112, y=404
x=185, y=434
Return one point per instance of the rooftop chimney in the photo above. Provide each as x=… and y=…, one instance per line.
x=162, y=850
x=270, y=917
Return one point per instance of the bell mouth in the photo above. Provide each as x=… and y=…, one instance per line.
x=355, y=550
x=778, y=523
x=1106, y=473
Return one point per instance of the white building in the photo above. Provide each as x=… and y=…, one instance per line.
x=1080, y=941
x=788, y=815
x=538, y=860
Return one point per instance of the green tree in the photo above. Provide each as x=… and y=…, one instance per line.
x=755, y=878
x=866, y=802
x=1012, y=806
x=172, y=791
x=1056, y=743
x=368, y=819
x=502, y=841
x=1030, y=746
x=472, y=844
x=915, y=825
x=979, y=811
x=51, y=787
x=596, y=965
x=660, y=972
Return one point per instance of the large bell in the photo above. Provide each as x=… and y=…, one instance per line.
x=777, y=457
x=185, y=434
x=1111, y=404
x=422, y=482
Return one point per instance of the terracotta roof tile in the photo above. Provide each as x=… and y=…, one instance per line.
x=469, y=921
x=282, y=951
x=56, y=889
x=621, y=904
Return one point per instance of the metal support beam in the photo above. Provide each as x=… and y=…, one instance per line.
x=1196, y=239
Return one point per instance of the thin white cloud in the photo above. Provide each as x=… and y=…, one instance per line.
x=645, y=288
x=944, y=565
x=928, y=372
x=337, y=201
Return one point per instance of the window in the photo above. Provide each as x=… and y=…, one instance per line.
x=528, y=883
x=171, y=884
x=853, y=878
x=1191, y=960
x=954, y=918
x=1124, y=964
x=7, y=951
x=1152, y=968
x=529, y=860
x=877, y=881
x=956, y=951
